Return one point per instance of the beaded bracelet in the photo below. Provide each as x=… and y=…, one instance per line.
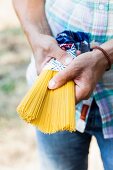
x=106, y=56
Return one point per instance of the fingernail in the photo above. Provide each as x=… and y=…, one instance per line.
x=78, y=52
x=68, y=60
x=51, y=84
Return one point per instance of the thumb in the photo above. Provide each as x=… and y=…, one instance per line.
x=61, y=55
x=60, y=79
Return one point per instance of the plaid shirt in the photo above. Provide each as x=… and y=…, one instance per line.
x=96, y=18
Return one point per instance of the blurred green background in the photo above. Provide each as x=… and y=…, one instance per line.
x=17, y=140
x=14, y=54
x=14, y=57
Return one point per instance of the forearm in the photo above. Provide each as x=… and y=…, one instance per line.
x=31, y=14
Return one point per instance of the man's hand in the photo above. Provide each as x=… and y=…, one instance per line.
x=46, y=47
x=86, y=70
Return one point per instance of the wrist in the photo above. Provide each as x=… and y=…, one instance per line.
x=100, y=59
x=38, y=41
x=108, y=47
x=106, y=55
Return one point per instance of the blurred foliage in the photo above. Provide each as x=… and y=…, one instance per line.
x=14, y=58
x=8, y=86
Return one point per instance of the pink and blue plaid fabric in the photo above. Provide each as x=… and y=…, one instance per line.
x=96, y=18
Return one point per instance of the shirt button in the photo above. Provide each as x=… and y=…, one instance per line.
x=101, y=6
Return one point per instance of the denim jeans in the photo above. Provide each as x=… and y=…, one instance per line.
x=69, y=151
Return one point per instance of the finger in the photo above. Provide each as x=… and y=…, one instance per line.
x=82, y=93
x=78, y=94
x=47, y=59
x=78, y=52
x=60, y=55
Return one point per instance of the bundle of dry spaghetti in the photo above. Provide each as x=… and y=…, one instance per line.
x=49, y=110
